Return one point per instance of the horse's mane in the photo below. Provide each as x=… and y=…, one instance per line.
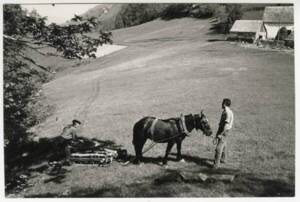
x=189, y=118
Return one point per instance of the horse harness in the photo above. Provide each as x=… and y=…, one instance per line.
x=152, y=127
x=181, y=126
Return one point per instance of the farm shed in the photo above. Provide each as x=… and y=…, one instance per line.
x=276, y=17
x=247, y=29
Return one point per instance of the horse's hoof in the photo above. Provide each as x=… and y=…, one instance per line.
x=125, y=163
x=136, y=162
x=163, y=164
x=182, y=161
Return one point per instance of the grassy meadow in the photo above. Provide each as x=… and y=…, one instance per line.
x=168, y=68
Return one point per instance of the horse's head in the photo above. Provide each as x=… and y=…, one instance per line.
x=201, y=123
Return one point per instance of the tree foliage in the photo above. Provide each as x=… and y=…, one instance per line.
x=188, y=10
x=227, y=14
x=234, y=12
x=22, y=84
x=135, y=14
x=176, y=11
x=282, y=33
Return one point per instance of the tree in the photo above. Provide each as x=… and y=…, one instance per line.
x=282, y=34
x=202, y=10
x=234, y=12
x=21, y=83
x=134, y=14
x=176, y=11
x=227, y=14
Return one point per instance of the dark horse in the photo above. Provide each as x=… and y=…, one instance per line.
x=167, y=131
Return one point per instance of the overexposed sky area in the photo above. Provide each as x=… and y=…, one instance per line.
x=59, y=13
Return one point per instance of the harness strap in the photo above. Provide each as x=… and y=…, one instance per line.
x=182, y=120
x=153, y=127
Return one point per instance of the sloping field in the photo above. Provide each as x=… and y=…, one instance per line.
x=168, y=68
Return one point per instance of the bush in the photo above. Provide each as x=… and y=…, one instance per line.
x=282, y=34
x=234, y=13
x=202, y=10
x=176, y=11
x=135, y=14
x=273, y=44
x=289, y=43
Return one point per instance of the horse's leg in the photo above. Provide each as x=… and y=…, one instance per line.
x=139, y=139
x=138, y=147
x=169, y=147
x=141, y=148
x=137, y=154
x=179, y=157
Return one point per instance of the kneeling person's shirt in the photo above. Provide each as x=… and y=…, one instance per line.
x=69, y=132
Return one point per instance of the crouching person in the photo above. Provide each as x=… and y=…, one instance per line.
x=223, y=133
x=67, y=138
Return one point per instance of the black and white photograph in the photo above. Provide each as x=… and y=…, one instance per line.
x=148, y=99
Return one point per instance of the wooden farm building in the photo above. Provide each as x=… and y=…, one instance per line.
x=276, y=17
x=248, y=30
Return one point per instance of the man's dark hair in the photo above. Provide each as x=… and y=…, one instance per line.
x=227, y=102
x=76, y=121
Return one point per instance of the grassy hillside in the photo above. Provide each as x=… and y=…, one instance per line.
x=172, y=67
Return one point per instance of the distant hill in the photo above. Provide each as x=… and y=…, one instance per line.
x=253, y=11
x=105, y=14
x=256, y=11
x=99, y=10
x=115, y=16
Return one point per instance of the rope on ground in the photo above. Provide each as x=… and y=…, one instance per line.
x=149, y=147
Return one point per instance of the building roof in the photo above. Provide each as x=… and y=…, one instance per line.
x=279, y=14
x=246, y=26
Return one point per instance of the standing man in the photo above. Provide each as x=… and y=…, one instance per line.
x=68, y=135
x=223, y=133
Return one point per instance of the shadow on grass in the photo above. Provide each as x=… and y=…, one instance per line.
x=50, y=149
x=217, y=30
x=56, y=179
x=249, y=185
x=172, y=157
x=34, y=157
x=145, y=188
x=170, y=184
x=215, y=40
x=198, y=160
